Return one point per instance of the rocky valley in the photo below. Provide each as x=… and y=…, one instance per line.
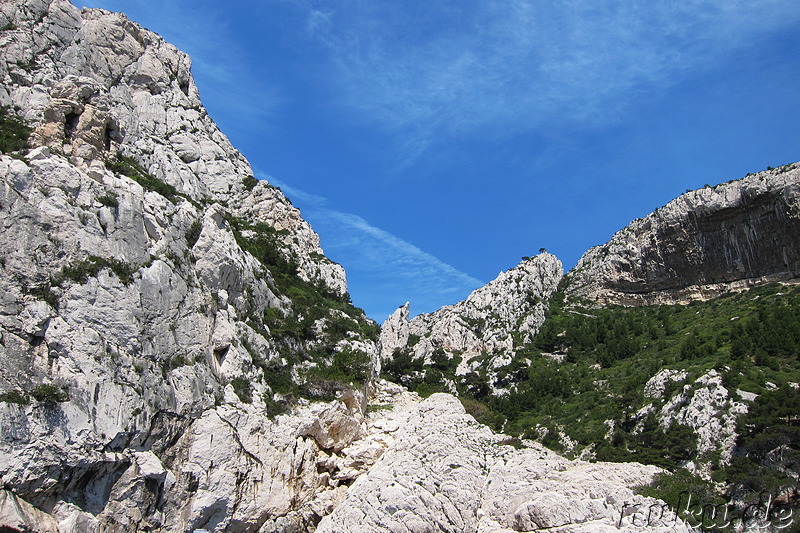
x=178, y=354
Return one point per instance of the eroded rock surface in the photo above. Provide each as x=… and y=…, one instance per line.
x=446, y=472
x=139, y=339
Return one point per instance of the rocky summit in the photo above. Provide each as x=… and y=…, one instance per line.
x=178, y=354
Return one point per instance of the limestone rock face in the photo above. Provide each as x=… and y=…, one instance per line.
x=395, y=331
x=505, y=312
x=19, y=515
x=95, y=84
x=445, y=472
x=710, y=410
x=701, y=244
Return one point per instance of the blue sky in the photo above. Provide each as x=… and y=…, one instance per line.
x=432, y=144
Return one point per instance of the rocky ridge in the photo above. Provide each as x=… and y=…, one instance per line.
x=445, y=472
x=710, y=242
x=504, y=313
x=702, y=244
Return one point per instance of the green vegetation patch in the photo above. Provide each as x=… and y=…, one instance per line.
x=15, y=396
x=128, y=167
x=14, y=133
x=44, y=292
x=412, y=372
x=585, y=373
x=249, y=183
x=193, y=233
x=47, y=393
x=308, y=332
x=81, y=271
x=109, y=200
x=243, y=389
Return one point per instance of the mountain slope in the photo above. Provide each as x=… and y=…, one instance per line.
x=478, y=333
x=623, y=369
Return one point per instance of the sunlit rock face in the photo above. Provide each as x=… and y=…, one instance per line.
x=445, y=472
x=700, y=245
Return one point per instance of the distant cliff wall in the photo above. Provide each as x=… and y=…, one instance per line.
x=703, y=243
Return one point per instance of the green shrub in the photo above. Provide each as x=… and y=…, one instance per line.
x=482, y=413
x=176, y=361
x=309, y=329
x=275, y=407
x=751, y=338
x=243, y=389
x=14, y=133
x=193, y=233
x=128, y=167
x=346, y=366
x=319, y=389
x=109, y=200
x=15, y=396
x=45, y=293
x=47, y=393
x=250, y=182
x=279, y=378
x=80, y=271
x=675, y=487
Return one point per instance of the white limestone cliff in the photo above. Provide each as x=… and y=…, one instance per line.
x=445, y=472
x=136, y=301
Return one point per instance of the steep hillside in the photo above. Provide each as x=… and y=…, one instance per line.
x=622, y=369
x=155, y=294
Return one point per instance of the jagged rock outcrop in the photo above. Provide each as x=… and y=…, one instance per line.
x=504, y=313
x=95, y=84
x=710, y=410
x=19, y=515
x=700, y=245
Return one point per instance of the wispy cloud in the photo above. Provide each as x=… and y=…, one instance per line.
x=430, y=71
x=382, y=269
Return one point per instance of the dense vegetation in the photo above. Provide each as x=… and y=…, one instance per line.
x=587, y=367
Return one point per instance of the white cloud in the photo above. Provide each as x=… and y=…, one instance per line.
x=450, y=69
x=381, y=267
